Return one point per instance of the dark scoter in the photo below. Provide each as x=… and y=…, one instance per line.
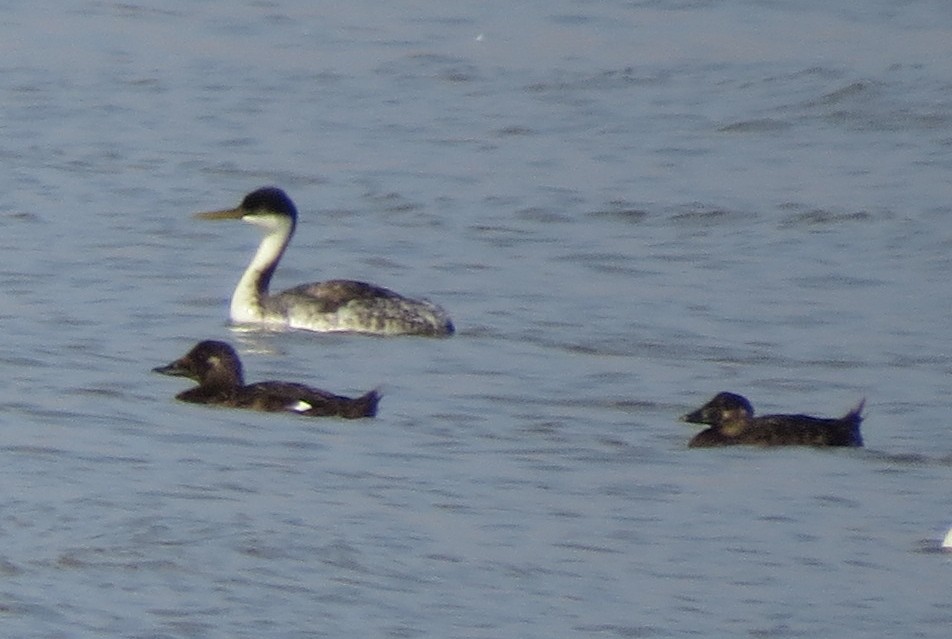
x=217, y=369
x=731, y=420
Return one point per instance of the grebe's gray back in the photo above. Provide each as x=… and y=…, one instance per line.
x=334, y=305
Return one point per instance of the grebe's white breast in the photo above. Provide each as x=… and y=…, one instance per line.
x=334, y=305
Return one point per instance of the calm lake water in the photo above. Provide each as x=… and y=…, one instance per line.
x=626, y=207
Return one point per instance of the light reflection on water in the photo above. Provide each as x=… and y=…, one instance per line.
x=620, y=228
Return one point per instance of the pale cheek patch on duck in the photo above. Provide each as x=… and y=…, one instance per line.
x=300, y=406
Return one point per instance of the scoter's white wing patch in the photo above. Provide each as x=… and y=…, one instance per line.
x=300, y=406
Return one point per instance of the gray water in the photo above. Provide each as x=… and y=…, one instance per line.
x=626, y=207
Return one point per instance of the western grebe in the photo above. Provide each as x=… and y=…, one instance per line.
x=334, y=305
x=731, y=420
x=217, y=369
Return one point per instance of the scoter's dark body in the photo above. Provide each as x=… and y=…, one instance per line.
x=732, y=422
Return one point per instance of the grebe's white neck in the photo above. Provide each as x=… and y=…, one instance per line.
x=249, y=299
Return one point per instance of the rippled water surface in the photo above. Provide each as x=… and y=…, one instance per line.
x=626, y=207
